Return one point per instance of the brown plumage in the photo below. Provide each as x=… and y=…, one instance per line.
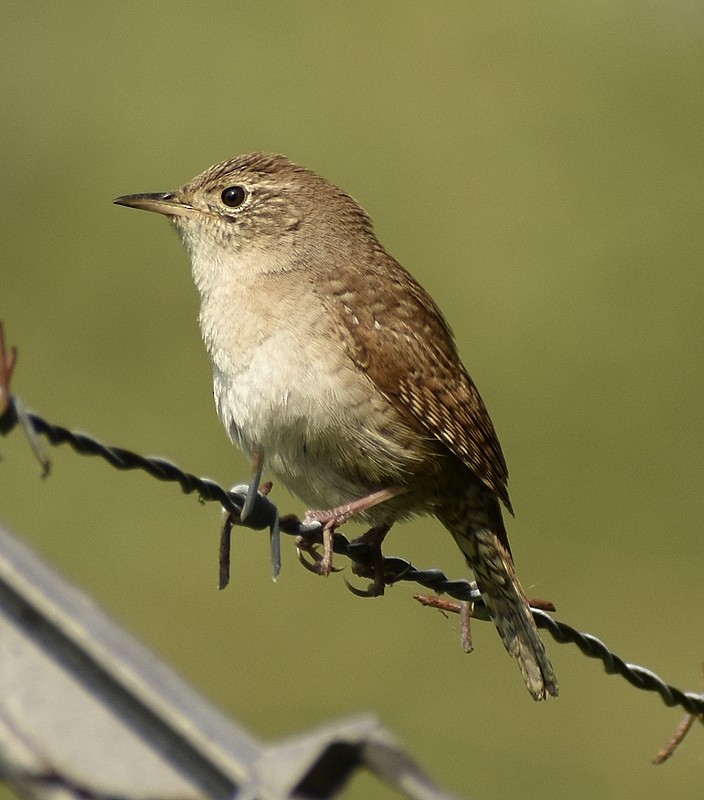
x=333, y=359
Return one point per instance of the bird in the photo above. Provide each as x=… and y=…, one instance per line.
x=332, y=361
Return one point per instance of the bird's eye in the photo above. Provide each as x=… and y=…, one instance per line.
x=233, y=196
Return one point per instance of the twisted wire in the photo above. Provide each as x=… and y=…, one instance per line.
x=122, y=459
x=264, y=515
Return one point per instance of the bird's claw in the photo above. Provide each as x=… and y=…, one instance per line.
x=318, y=565
x=371, y=591
x=311, y=566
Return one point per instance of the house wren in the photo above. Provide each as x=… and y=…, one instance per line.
x=331, y=359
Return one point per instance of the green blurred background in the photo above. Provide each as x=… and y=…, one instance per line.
x=539, y=167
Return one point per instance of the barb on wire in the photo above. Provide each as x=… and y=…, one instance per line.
x=680, y=734
x=8, y=361
x=11, y=410
x=263, y=515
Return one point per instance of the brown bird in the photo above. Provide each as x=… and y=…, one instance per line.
x=334, y=362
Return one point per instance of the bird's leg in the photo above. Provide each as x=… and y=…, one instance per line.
x=334, y=517
x=304, y=545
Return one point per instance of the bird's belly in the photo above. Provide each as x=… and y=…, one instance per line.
x=327, y=435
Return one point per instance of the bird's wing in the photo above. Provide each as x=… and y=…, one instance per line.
x=395, y=333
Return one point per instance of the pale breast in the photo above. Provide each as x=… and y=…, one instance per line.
x=283, y=380
x=327, y=434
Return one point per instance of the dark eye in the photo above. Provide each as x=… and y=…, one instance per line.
x=233, y=196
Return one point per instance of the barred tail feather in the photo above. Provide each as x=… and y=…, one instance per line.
x=508, y=607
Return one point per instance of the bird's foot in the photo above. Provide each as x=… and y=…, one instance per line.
x=315, y=564
x=330, y=521
x=335, y=517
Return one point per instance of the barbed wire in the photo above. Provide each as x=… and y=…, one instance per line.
x=265, y=515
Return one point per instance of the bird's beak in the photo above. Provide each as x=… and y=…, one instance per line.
x=160, y=203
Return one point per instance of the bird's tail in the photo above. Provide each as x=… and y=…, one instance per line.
x=492, y=565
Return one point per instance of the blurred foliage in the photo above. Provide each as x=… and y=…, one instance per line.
x=539, y=167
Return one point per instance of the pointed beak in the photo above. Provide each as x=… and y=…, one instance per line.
x=160, y=203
